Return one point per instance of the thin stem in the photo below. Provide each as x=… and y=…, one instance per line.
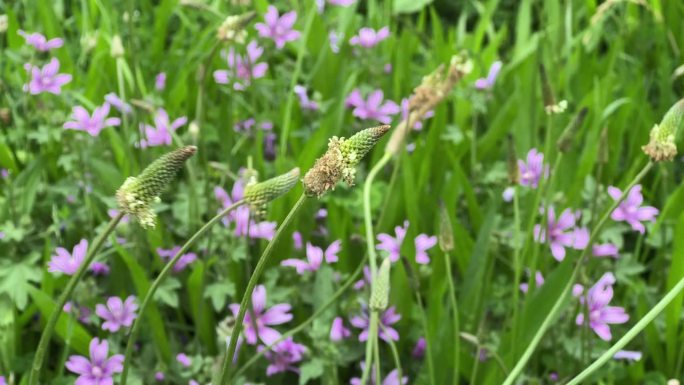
x=41, y=351
x=247, y=296
x=515, y=372
x=633, y=332
x=378, y=369
x=370, y=343
x=395, y=354
x=160, y=278
x=454, y=309
x=302, y=326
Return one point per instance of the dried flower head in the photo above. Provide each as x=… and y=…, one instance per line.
x=137, y=193
x=662, y=139
x=257, y=195
x=233, y=28
x=340, y=160
x=565, y=141
x=379, y=298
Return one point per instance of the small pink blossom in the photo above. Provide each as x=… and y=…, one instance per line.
x=40, y=42
x=423, y=243
x=538, y=281
x=183, y=359
x=241, y=70
x=630, y=209
x=278, y=28
x=304, y=100
x=605, y=250
x=337, y=331
x=488, y=82
x=46, y=79
x=160, y=133
x=392, y=245
x=532, y=170
x=561, y=233
x=276, y=315
x=160, y=81
x=98, y=369
x=66, y=263
x=368, y=37
x=117, y=314
x=91, y=124
x=373, y=108
x=600, y=315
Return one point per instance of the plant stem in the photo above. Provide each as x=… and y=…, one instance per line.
x=355, y=275
x=454, y=309
x=41, y=351
x=160, y=278
x=247, y=296
x=395, y=354
x=515, y=372
x=633, y=332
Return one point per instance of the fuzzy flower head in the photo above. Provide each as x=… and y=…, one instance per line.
x=630, y=209
x=257, y=195
x=278, y=28
x=263, y=318
x=283, y=356
x=314, y=258
x=160, y=133
x=98, y=369
x=46, y=79
x=66, y=263
x=368, y=37
x=532, y=170
x=392, y=245
x=599, y=314
x=340, y=161
x=91, y=124
x=561, y=233
x=388, y=318
x=117, y=314
x=233, y=27
x=372, y=108
x=488, y=82
x=137, y=194
x=661, y=145
x=241, y=70
x=40, y=42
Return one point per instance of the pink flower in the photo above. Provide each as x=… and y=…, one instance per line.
x=66, y=263
x=40, y=42
x=488, y=82
x=297, y=240
x=423, y=243
x=278, y=28
x=532, y=170
x=372, y=108
x=283, y=356
x=242, y=69
x=342, y=3
x=337, y=330
x=605, y=250
x=368, y=37
x=391, y=379
x=119, y=104
x=91, y=124
x=99, y=268
x=98, y=370
x=46, y=79
x=508, y=194
x=117, y=314
x=160, y=133
x=561, y=233
x=334, y=39
x=183, y=359
x=600, y=315
x=276, y=315
x=365, y=281
x=388, y=318
x=392, y=245
x=419, y=349
x=538, y=281
x=628, y=355
x=630, y=209
x=160, y=81
x=244, y=223
x=159, y=376
x=314, y=256
x=183, y=262
x=304, y=101
x=418, y=123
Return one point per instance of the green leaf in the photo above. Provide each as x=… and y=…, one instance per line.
x=15, y=278
x=218, y=293
x=409, y=6
x=166, y=292
x=311, y=370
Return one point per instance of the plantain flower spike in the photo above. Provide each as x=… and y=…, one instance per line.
x=257, y=195
x=340, y=161
x=137, y=193
x=379, y=298
x=233, y=27
x=662, y=139
x=446, y=231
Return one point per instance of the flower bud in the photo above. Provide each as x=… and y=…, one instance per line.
x=565, y=141
x=257, y=195
x=547, y=92
x=662, y=138
x=446, y=232
x=116, y=47
x=512, y=162
x=340, y=160
x=137, y=193
x=380, y=291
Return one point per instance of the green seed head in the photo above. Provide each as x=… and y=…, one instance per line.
x=379, y=299
x=662, y=138
x=259, y=194
x=137, y=193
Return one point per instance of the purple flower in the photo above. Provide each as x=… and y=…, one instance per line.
x=304, y=101
x=561, y=233
x=283, y=355
x=276, y=315
x=117, y=314
x=99, y=370
x=418, y=124
x=508, y=194
x=159, y=376
x=628, y=355
x=391, y=379
x=99, y=268
x=167, y=254
x=368, y=37
x=630, y=209
x=244, y=126
x=270, y=145
x=91, y=124
x=183, y=359
x=314, y=256
x=119, y=104
x=160, y=133
x=532, y=171
x=278, y=28
x=228, y=200
x=373, y=108
x=243, y=223
x=423, y=243
x=393, y=244
x=243, y=69
x=160, y=81
x=600, y=315
x=297, y=240
x=193, y=382
x=337, y=330
x=538, y=281
x=66, y=263
x=334, y=39
x=419, y=348
x=40, y=42
x=387, y=68
x=4, y=173
x=366, y=280
x=342, y=3
x=46, y=79
x=388, y=318
x=3, y=381
x=605, y=250
x=488, y=82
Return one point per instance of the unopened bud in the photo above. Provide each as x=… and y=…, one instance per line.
x=565, y=141
x=662, y=138
x=257, y=195
x=379, y=298
x=116, y=47
x=137, y=193
x=194, y=129
x=547, y=93
x=446, y=232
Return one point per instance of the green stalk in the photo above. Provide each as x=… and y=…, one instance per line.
x=633, y=332
x=454, y=309
x=247, y=296
x=395, y=354
x=302, y=326
x=41, y=351
x=160, y=278
x=555, y=310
